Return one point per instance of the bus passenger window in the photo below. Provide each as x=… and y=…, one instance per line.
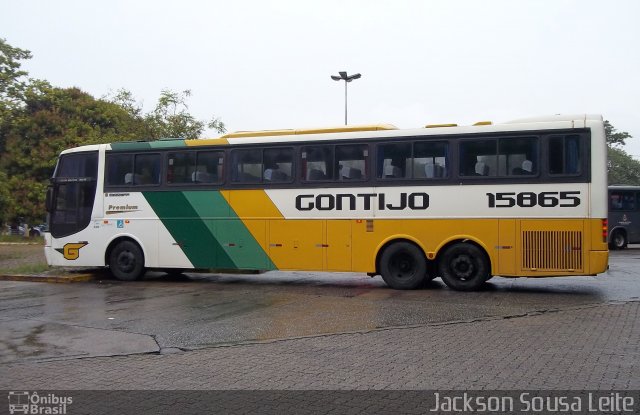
x=517, y=156
x=246, y=166
x=393, y=161
x=430, y=160
x=564, y=155
x=180, y=167
x=317, y=163
x=352, y=161
x=209, y=167
x=146, y=169
x=278, y=164
x=119, y=169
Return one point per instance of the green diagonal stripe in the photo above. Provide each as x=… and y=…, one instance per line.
x=209, y=231
x=226, y=227
x=189, y=229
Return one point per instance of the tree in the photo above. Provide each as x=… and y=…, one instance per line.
x=38, y=121
x=51, y=120
x=12, y=83
x=170, y=117
x=622, y=168
x=614, y=137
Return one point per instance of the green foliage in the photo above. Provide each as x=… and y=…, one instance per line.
x=614, y=137
x=170, y=117
x=51, y=120
x=12, y=82
x=38, y=121
x=622, y=168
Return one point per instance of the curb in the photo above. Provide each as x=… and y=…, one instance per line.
x=48, y=278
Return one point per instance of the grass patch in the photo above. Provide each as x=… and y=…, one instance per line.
x=31, y=269
x=21, y=239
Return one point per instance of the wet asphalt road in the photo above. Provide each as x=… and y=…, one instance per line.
x=40, y=321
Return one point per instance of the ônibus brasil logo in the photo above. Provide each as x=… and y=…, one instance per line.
x=33, y=403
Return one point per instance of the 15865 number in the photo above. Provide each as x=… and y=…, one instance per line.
x=531, y=199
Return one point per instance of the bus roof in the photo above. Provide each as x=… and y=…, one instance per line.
x=365, y=131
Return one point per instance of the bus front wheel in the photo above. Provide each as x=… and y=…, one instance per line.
x=618, y=240
x=403, y=266
x=126, y=261
x=463, y=267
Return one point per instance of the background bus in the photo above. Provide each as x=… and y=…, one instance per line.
x=624, y=216
x=519, y=199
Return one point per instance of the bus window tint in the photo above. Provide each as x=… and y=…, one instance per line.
x=180, y=167
x=518, y=156
x=278, y=165
x=394, y=161
x=478, y=158
x=209, y=167
x=119, y=169
x=430, y=160
x=77, y=165
x=622, y=200
x=147, y=169
x=352, y=161
x=317, y=163
x=246, y=166
x=564, y=155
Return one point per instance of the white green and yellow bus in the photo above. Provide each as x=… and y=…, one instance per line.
x=527, y=198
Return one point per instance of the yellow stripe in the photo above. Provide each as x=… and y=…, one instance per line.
x=253, y=207
x=207, y=142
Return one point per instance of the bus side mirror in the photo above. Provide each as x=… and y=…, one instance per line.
x=48, y=204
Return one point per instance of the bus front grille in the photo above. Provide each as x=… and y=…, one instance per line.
x=552, y=250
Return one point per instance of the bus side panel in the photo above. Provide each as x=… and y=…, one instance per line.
x=431, y=235
x=208, y=230
x=599, y=250
x=507, y=247
x=338, y=245
x=297, y=244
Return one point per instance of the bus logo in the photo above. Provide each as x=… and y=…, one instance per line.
x=71, y=251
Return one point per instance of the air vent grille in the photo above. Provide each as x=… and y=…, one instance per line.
x=552, y=250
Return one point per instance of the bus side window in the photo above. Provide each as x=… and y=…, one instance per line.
x=393, y=161
x=478, y=158
x=564, y=155
x=246, y=165
x=278, y=164
x=209, y=167
x=119, y=169
x=146, y=169
x=430, y=160
x=317, y=163
x=180, y=167
x=352, y=161
x=517, y=156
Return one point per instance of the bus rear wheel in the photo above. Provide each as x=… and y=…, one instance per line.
x=618, y=240
x=403, y=266
x=126, y=261
x=464, y=267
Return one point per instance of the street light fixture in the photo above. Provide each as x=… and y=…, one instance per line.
x=346, y=78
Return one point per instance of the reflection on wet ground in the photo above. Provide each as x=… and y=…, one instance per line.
x=198, y=310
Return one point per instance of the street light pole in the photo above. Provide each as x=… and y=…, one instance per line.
x=346, y=78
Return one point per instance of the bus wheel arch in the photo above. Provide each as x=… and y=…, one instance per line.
x=125, y=258
x=463, y=265
x=618, y=239
x=402, y=264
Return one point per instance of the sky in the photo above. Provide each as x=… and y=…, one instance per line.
x=260, y=65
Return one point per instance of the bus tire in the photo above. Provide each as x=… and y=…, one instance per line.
x=464, y=267
x=403, y=266
x=126, y=261
x=618, y=240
